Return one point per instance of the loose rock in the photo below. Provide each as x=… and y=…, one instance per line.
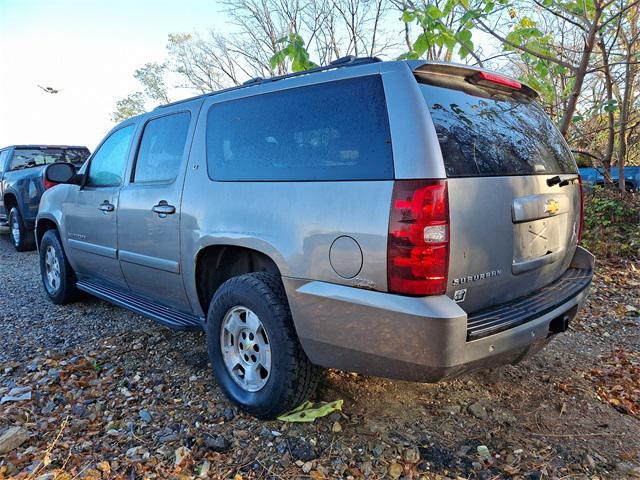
x=12, y=439
x=217, y=443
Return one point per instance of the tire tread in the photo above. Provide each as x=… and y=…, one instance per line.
x=302, y=376
x=69, y=292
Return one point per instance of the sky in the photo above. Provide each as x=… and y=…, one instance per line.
x=88, y=50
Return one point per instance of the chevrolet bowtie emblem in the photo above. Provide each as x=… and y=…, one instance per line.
x=551, y=207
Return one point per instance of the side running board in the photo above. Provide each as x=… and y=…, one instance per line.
x=136, y=303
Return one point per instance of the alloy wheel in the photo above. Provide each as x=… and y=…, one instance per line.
x=52, y=269
x=246, y=350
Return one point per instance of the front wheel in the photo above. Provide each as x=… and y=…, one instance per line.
x=253, y=347
x=58, y=277
x=22, y=238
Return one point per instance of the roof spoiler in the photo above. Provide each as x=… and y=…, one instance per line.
x=465, y=77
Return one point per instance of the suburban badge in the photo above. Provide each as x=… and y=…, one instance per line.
x=475, y=278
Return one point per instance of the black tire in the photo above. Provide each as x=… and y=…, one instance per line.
x=23, y=239
x=64, y=291
x=292, y=378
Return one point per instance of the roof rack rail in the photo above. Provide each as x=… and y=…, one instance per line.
x=253, y=80
x=348, y=61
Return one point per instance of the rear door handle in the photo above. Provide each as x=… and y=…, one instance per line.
x=106, y=206
x=163, y=208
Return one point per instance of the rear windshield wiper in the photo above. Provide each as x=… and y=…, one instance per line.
x=558, y=181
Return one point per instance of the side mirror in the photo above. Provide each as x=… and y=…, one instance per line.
x=60, y=172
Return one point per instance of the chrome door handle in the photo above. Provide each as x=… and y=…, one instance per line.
x=163, y=209
x=106, y=207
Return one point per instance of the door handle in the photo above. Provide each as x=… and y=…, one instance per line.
x=163, y=208
x=106, y=206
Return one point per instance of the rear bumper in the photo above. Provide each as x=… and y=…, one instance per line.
x=419, y=339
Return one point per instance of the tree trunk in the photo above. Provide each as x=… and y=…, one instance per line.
x=581, y=72
x=630, y=74
x=611, y=122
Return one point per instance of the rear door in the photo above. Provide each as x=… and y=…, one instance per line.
x=514, y=195
x=149, y=207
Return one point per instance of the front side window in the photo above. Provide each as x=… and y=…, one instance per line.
x=162, y=148
x=331, y=131
x=108, y=163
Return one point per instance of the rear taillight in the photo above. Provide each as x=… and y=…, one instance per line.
x=581, y=225
x=418, y=244
x=48, y=184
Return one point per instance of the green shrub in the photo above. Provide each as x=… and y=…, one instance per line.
x=612, y=223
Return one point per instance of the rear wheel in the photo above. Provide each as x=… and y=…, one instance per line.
x=23, y=239
x=253, y=347
x=58, y=277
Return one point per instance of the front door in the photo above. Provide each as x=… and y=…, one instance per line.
x=149, y=209
x=90, y=212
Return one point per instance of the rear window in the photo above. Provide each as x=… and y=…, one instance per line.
x=331, y=131
x=34, y=157
x=495, y=136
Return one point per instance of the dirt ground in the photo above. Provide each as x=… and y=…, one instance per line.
x=114, y=395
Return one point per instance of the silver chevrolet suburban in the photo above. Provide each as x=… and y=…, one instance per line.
x=404, y=219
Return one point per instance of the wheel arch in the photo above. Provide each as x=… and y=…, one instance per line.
x=10, y=201
x=43, y=225
x=217, y=263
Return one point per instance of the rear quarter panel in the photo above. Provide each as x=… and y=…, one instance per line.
x=296, y=223
x=293, y=223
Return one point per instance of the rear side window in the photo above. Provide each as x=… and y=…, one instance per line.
x=495, y=136
x=331, y=131
x=162, y=148
x=35, y=157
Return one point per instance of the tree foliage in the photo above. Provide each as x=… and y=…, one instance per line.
x=582, y=56
x=128, y=107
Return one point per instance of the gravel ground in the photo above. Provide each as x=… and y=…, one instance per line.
x=114, y=395
x=28, y=321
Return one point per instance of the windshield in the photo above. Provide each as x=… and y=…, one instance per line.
x=34, y=157
x=495, y=136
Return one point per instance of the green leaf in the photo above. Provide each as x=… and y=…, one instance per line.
x=308, y=412
x=278, y=58
x=541, y=69
x=408, y=17
x=421, y=44
x=448, y=39
x=611, y=105
x=434, y=12
x=295, y=51
x=464, y=36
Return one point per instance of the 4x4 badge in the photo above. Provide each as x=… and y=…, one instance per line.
x=551, y=207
